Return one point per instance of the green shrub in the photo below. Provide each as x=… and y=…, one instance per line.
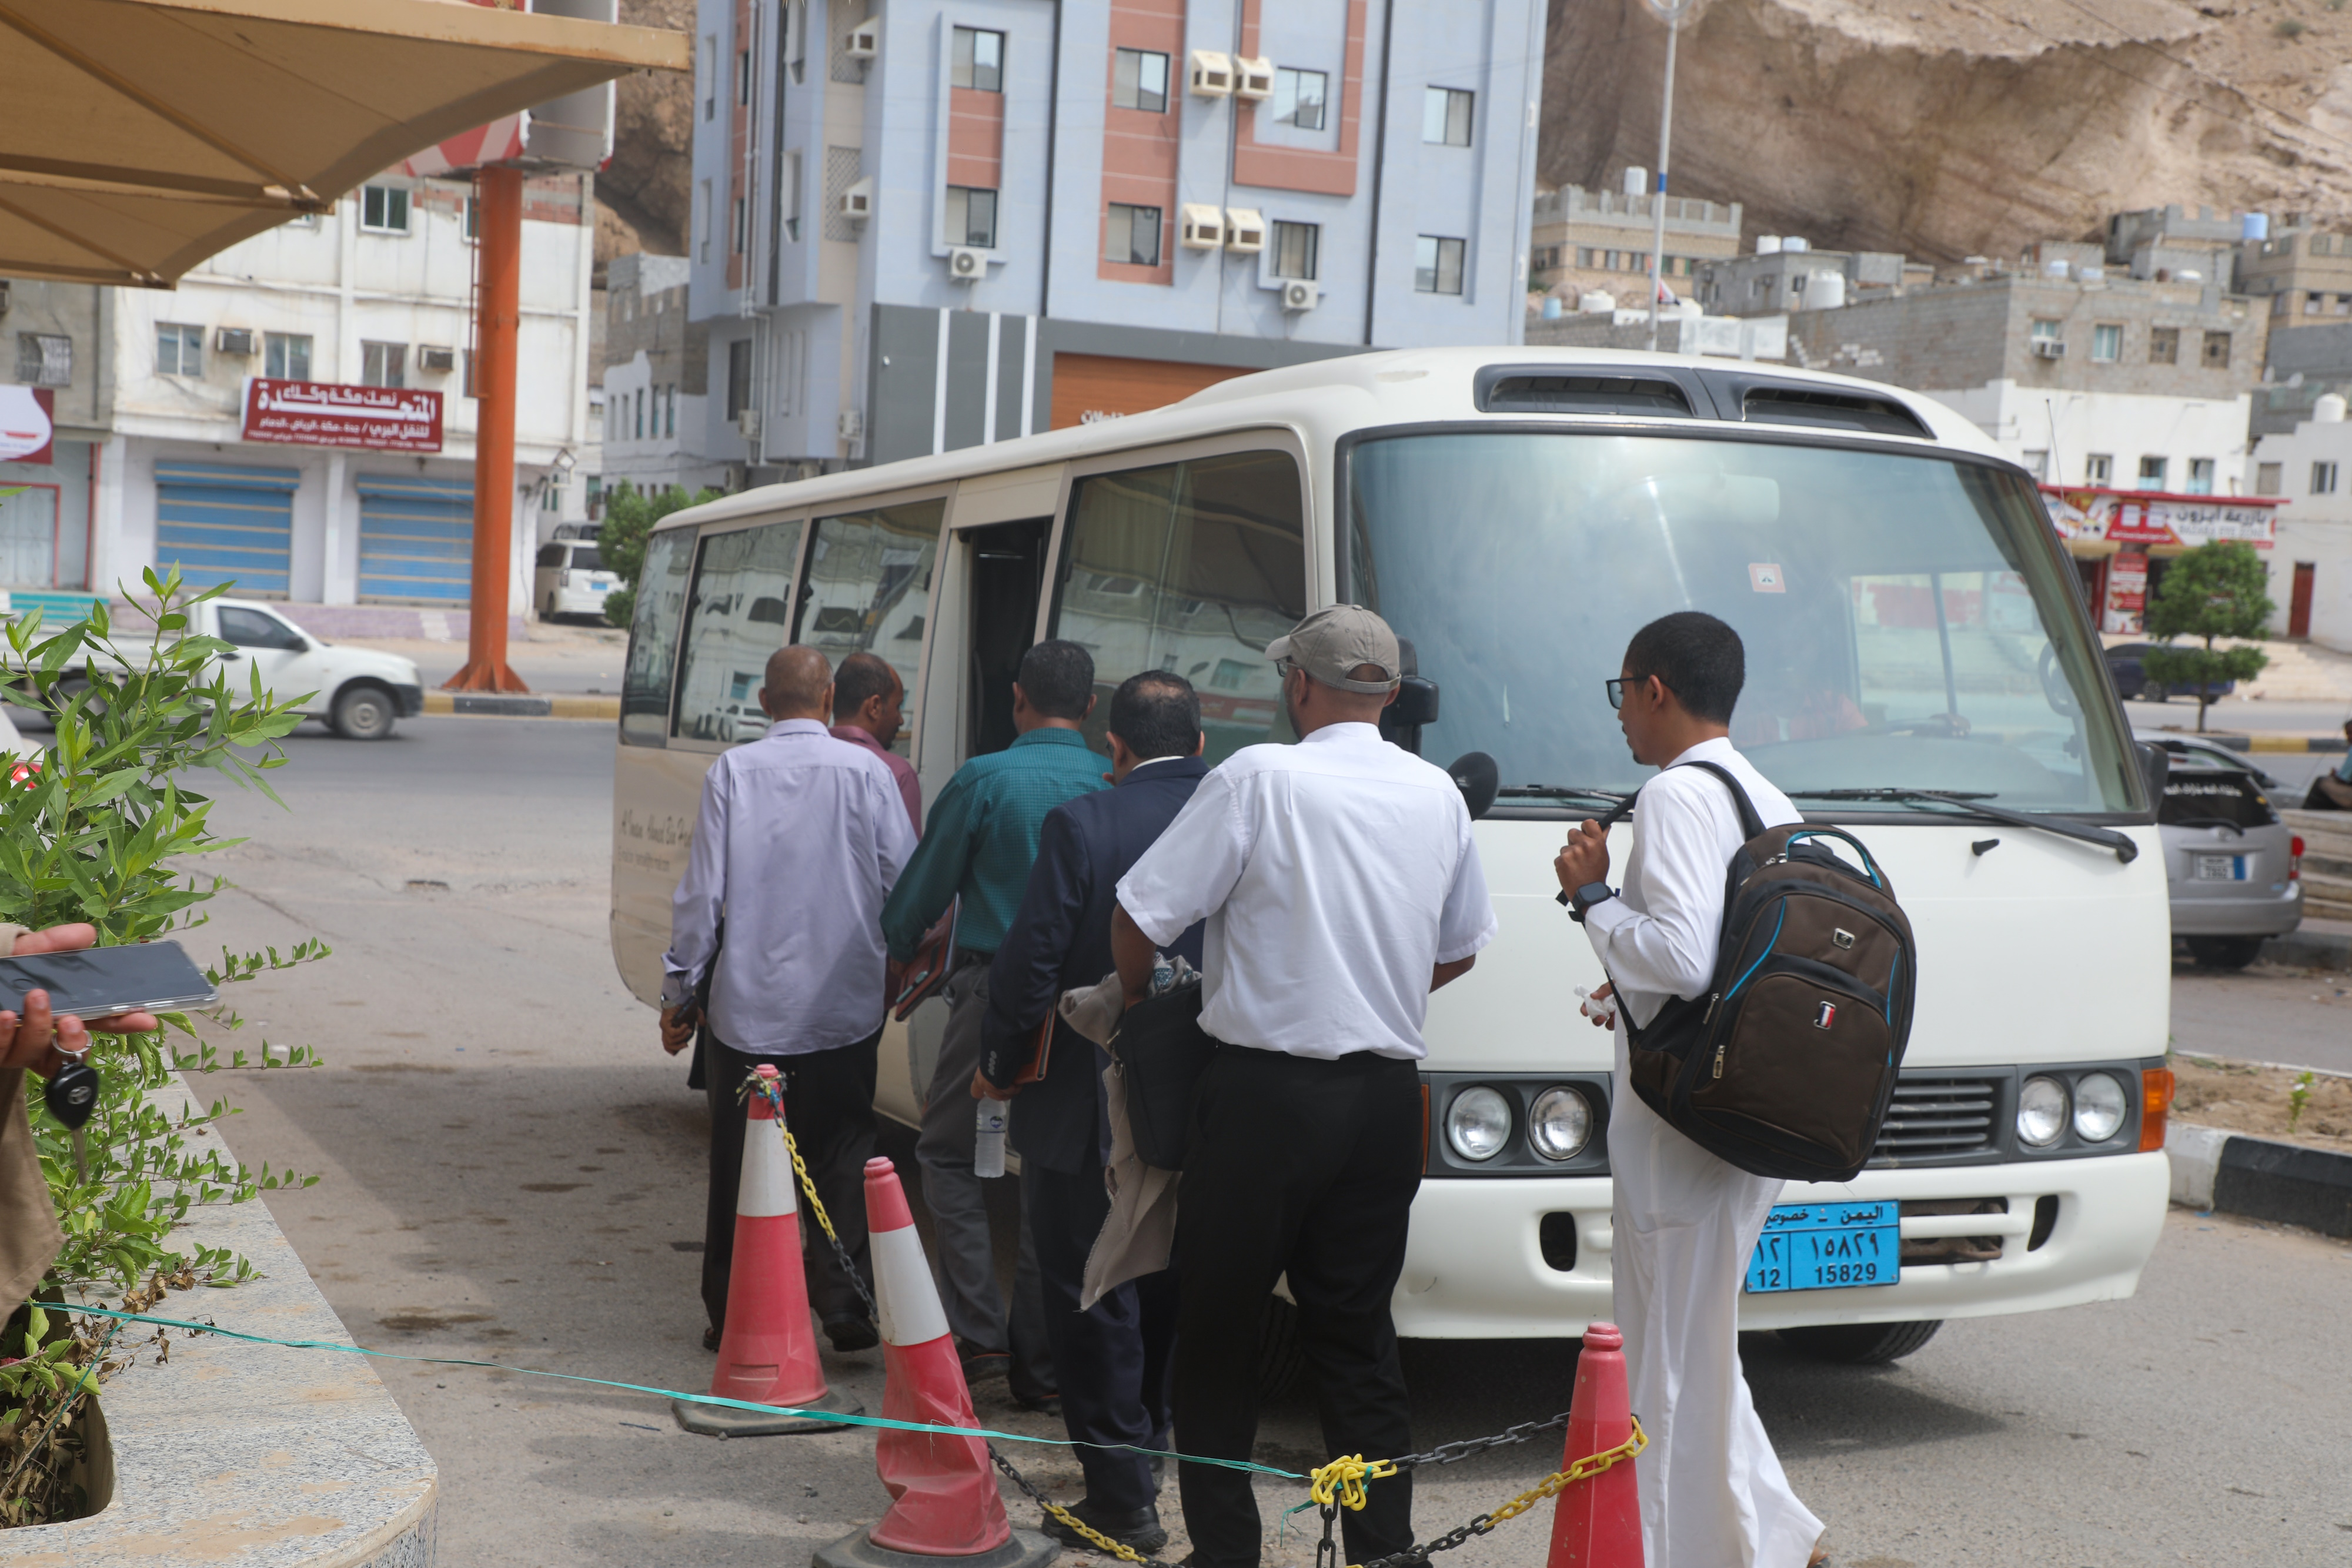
x=2218, y=590
x=629, y=518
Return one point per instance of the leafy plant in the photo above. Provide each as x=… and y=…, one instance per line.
x=2217, y=589
x=629, y=518
x=2297, y=1098
x=2289, y=28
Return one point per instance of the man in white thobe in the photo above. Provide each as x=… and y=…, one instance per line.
x=1686, y=1223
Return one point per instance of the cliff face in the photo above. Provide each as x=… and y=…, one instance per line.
x=643, y=201
x=1946, y=128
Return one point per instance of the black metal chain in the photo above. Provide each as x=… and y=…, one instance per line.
x=1452, y=1453
x=1056, y=1510
x=1412, y=1556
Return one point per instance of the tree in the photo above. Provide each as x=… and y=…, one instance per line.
x=2214, y=591
x=629, y=518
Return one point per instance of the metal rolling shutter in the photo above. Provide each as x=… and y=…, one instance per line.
x=416, y=539
x=225, y=525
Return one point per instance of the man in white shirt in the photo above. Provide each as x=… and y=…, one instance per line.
x=1340, y=887
x=1686, y=1223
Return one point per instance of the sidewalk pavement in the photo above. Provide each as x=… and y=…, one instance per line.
x=2314, y=945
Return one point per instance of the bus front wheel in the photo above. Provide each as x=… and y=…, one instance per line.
x=1860, y=1344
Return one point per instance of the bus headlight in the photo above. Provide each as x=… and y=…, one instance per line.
x=1559, y=1124
x=2041, y=1111
x=2099, y=1107
x=1478, y=1124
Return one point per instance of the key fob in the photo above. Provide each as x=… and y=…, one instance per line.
x=73, y=1093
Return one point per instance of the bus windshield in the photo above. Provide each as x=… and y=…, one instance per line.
x=1904, y=627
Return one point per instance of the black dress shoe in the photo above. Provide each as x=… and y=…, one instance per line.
x=711, y=1338
x=1139, y=1531
x=852, y=1333
x=1040, y=1404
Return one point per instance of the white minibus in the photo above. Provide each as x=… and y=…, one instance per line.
x=1920, y=672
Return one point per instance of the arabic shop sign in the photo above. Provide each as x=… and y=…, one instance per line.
x=27, y=423
x=2144, y=518
x=317, y=414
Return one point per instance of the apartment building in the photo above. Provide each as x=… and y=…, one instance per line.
x=919, y=226
x=1785, y=273
x=2301, y=274
x=2311, y=560
x=1584, y=241
x=655, y=380
x=2171, y=244
x=293, y=417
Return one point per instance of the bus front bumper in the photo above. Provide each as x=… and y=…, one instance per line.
x=1474, y=1265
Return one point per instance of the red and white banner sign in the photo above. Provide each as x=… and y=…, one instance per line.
x=317, y=413
x=2156, y=518
x=27, y=423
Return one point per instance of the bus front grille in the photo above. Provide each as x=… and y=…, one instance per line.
x=1935, y=1118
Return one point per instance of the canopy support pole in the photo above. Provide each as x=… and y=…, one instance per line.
x=498, y=196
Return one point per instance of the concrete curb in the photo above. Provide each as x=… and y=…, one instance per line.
x=606, y=710
x=2287, y=1184
x=2309, y=950
x=2268, y=740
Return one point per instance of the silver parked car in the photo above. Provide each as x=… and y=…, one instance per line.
x=2231, y=863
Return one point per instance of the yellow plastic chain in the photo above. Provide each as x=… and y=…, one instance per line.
x=775, y=1097
x=1342, y=1481
x=1124, y=1554
x=1584, y=1469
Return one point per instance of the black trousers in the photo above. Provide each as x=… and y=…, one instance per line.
x=829, y=1106
x=1307, y=1168
x=1112, y=1362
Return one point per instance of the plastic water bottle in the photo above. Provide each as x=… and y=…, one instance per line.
x=988, y=1143
x=1163, y=975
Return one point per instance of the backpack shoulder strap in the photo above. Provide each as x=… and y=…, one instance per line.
x=1751, y=824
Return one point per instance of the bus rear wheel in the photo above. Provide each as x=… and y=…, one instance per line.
x=1860, y=1344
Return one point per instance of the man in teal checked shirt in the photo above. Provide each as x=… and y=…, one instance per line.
x=981, y=838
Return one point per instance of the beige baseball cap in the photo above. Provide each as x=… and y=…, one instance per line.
x=1330, y=644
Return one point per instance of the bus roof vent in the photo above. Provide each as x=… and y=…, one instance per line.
x=1830, y=408
x=1525, y=391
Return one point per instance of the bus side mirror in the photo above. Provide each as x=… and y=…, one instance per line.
x=1479, y=780
x=2154, y=767
x=1416, y=702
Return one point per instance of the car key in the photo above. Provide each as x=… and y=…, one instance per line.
x=71, y=1097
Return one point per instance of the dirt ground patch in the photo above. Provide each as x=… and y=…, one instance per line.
x=2244, y=1097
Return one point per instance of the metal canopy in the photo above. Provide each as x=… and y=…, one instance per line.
x=138, y=137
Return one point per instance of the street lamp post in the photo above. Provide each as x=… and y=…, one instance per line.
x=1673, y=12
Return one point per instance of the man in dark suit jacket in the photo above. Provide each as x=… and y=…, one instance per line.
x=1111, y=1360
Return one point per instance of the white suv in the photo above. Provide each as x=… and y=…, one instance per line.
x=571, y=579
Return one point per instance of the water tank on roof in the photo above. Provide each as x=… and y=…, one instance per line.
x=1637, y=179
x=2328, y=409
x=1552, y=306
x=2188, y=275
x=2057, y=268
x=1793, y=243
x=1768, y=245
x=1596, y=302
x=1826, y=291
x=2255, y=226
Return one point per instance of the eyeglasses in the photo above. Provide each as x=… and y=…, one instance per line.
x=1616, y=688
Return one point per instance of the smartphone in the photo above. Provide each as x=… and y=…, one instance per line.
x=100, y=982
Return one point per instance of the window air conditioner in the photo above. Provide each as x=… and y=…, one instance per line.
x=1213, y=73
x=857, y=201
x=236, y=340
x=1204, y=226
x=1245, y=230
x=438, y=360
x=2049, y=349
x=1252, y=77
x=966, y=265
x=864, y=40
x=1301, y=294
x=850, y=425
x=748, y=423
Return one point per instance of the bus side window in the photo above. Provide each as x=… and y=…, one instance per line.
x=653, y=637
x=1193, y=567
x=738, y=612
x=869, y=586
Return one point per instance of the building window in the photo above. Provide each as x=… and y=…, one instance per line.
x=2099, y=468
x=1139, y=79
x=1445, y=117
x=2321, y=245
x=285, y=356
x=703, y=231
x=735, y=230
x=2200, y=476
x=739, y=377
x=2052, y=333
x=972, y=217
x=1295, y=247
x=179, y=349
x=383, y=210
x=1134, y=236
x=2323, y=478
x=1436, y=265
x=980, y=61
x=2106, y=343
x=43, y=359
x=2164, y=345
x=669, y=410
x=2269, y=478
x=1584, y=257
x=2151, y=472
x=709, y=76
x=2217, y=350
x=473, y=220
x=1298, y=99
x=2281, y=304
x=383, y=364
x=639, y=433
x=744, y=77
x=2037, y=463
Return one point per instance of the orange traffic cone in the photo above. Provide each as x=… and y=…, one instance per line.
x=767, y=1349
x=1598, y=1523
x=943, y=1496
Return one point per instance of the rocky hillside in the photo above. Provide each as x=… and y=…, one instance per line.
x=1946, y=128
x=642, y=201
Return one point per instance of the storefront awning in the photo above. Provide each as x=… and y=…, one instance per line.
x=138, y=137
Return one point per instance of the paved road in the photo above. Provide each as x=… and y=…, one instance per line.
x=511, y=1171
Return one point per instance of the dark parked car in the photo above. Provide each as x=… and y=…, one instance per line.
x=2131, y=676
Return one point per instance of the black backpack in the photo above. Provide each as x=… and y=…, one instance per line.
x=1785, y=1066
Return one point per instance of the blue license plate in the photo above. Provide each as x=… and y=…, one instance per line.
x=1825, y=1246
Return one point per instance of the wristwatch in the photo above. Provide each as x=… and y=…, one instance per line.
x=1585, y=897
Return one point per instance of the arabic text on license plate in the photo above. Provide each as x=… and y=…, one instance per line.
x=2221, y=868
x=1822, y=1246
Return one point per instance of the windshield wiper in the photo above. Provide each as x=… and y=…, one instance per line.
x=1972, y=803
x=1564, y=792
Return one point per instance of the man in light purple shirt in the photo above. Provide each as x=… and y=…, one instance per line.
x=869, y=705
x=800, y=840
